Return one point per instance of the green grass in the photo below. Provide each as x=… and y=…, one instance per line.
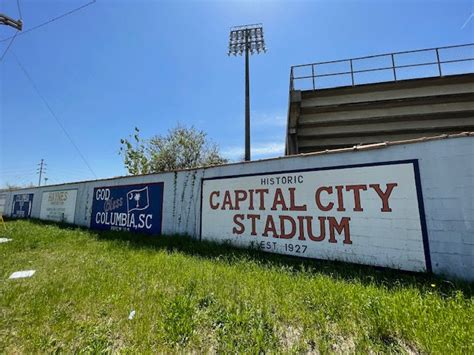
x=192, y=296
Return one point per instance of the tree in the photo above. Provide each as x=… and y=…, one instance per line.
x=135, y=155
x=12, y=187
x=181, y=148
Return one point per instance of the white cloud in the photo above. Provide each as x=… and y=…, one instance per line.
x=260, y=150
x=268, y=137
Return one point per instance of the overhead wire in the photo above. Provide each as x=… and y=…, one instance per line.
x=16, y=171
x=12, y=38
x=30, y=79
x=51, y=20
x=19, y=9
x=8, y=47
x=51, y=111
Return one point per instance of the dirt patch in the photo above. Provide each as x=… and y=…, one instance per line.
x=343, y=345
x=289, y=337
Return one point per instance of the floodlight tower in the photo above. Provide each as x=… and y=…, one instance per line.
x=245, y=39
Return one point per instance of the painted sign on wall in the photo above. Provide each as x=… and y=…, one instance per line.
x=58, y=205
x=136, y=208
x=22, y=205
x=367, y=214
x=3, y=200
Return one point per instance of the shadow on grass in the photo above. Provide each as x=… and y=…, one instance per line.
x=367, y=275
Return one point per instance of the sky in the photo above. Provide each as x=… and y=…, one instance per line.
x=116, y=65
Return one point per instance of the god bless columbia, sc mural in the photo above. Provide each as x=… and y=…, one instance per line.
x=22, y=205
x=367, y=214
x=135, y=208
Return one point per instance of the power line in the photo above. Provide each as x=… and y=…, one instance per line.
x=8, y=47
x=18, y=172
x=53, y=114
x=51, y=20
x=18, y=25
x=19, y=10
x=24, y=167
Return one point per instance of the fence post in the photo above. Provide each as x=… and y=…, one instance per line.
x=439, y=63
x=312, y=72
x=352, y=72
x=393, y=68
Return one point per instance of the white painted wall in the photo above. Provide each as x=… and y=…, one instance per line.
x=367, y=232
x=447, y=182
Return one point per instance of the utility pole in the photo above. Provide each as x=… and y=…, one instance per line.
x=247, y=38
x=41, y=170
x=16, y=24
x=8, y=21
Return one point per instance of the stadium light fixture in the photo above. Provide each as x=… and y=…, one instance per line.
x=244, y=40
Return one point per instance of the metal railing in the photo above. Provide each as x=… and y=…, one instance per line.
x=392, y=63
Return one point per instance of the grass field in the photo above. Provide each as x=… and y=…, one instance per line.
x=192, y=296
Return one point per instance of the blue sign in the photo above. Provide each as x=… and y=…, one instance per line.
x=22, y=205
x=135, y=208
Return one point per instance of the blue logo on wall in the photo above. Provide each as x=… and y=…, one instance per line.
x=135, y=208
x=22, y=205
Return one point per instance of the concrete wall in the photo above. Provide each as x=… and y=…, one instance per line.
x=447, y=182
x=373, y=113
